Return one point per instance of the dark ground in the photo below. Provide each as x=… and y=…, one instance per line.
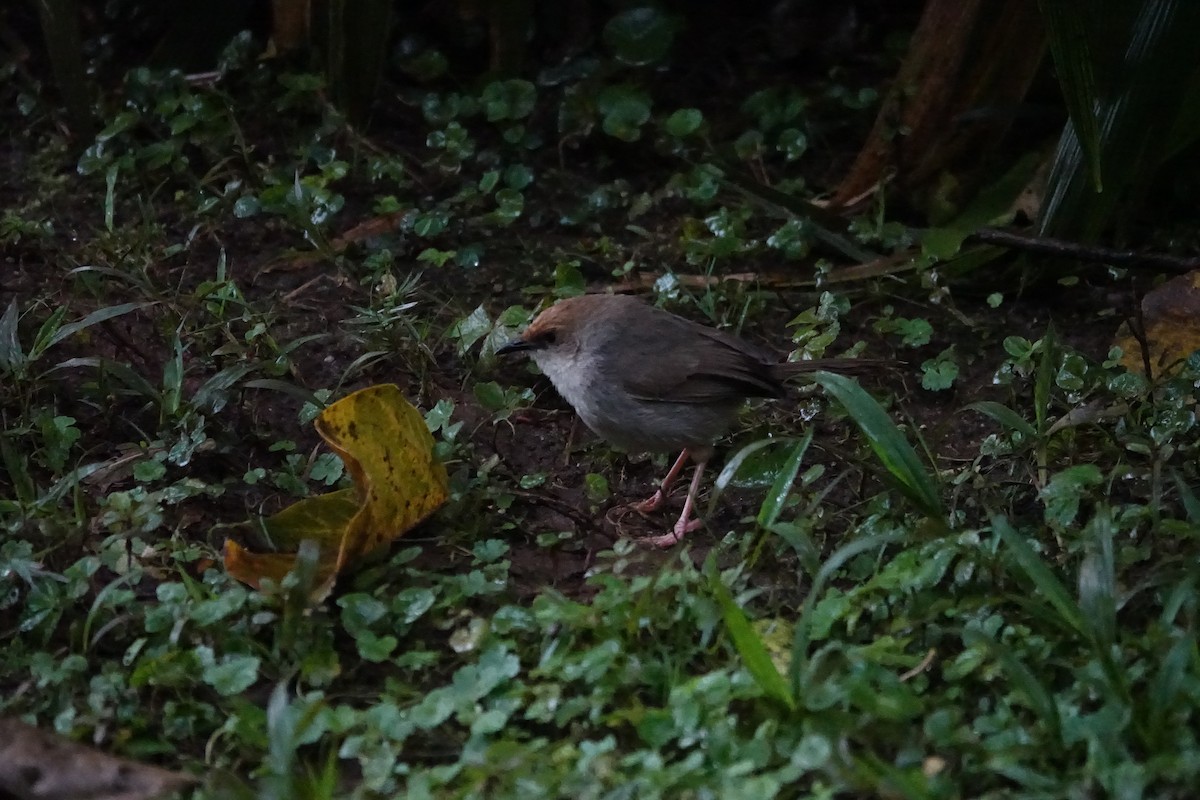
x=306, y=296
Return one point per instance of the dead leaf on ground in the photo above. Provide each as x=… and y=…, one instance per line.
x=36, y=765
x=398, y=482
x=1171, y=315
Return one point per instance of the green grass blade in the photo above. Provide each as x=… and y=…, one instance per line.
x=96, y=317
x=772, y=506
x=107, y=366
x=1187, y=497
x=11, y=355
x=886, y=440
x=276, y=385
x=1179, y=600
x=1170, y=681
x=16, y=464
x=747, y=642
x=1098, y=579
x=110, y=195
x=1043, y=579
x=46, y=332
x=1044, y=381
x=172, y=380
x=1003, y=415
x=212, y=394
x=68, y=482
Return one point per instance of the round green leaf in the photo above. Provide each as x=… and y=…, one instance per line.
x=684, y=122
x=518, y=176
x=246, y=206
x=511, y=99
x=625, y=111
x=792, y=143
x=232, y=675
x=640, y=35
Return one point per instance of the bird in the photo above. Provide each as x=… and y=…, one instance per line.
x=646, y=380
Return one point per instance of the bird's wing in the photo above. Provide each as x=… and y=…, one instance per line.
x=713, y=367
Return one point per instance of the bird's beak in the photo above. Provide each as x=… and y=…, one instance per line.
x=515, y=346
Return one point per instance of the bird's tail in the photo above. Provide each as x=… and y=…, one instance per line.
x=844, y=366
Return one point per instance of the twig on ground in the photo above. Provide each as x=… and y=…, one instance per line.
x=1083, y=252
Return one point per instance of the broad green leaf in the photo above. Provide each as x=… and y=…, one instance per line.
x=772, y=506
x=231, y=674
x=793, y=143
x=518, y=176
x=1070, y=46
x=1065, y=491
x=888, y=443
x=491, y=395
x=1146, y=80
x=470, y=329
x=734, y=463
x=940, y=372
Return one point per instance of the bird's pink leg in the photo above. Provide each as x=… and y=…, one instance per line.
x=653, y=502
x=685, y=524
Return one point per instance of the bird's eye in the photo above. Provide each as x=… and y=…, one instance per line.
x=550, y=336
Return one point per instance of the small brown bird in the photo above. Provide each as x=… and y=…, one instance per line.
x=647, y=380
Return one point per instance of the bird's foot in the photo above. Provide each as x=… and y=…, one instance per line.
x=650, y=503
x=675, y=536
x=653, y=502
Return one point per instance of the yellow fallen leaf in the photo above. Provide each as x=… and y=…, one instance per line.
x=398, y=482
x=322, y=519
x=1171, y=315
